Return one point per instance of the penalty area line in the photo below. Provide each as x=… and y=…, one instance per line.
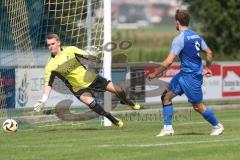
x=54, y=125
x=167, y=144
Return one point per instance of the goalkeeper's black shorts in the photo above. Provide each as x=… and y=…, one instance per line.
x=99, y=85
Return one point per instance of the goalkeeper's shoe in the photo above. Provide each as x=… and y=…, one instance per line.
x=118, y=123
x=133, y=105
x=217, y=130
x=166, y=132
x=38, y=106
x=136, y=106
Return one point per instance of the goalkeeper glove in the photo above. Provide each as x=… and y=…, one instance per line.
x=40, y=104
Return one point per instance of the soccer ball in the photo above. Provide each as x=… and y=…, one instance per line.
x=10, y=125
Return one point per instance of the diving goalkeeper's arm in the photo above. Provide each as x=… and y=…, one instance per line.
x=40, y=104
x=91, y=56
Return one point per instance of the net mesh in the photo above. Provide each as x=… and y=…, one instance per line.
x=24, y=25
x=77, y=22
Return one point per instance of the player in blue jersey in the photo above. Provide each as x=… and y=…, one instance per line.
x=187, y=46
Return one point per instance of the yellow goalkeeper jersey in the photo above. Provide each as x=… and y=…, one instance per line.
x=67, y=67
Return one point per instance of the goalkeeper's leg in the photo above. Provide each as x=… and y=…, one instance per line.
x=119, y=92
x=90, y=101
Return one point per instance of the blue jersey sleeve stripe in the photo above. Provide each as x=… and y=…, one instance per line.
x=203, y=45
x=177, y=44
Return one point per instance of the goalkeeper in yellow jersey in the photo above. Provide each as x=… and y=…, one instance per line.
x=65, y=63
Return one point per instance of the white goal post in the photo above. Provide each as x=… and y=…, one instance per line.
x=82, y=23
x=107, y=56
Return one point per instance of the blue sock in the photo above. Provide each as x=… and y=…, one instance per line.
x=210, y=117
x=167, y=114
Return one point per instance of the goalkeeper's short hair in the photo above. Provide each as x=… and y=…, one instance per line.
x=52, y=35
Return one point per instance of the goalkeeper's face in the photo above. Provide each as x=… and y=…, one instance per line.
x=54, y=45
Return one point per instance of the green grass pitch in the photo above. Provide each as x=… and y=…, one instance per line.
x=135, y=141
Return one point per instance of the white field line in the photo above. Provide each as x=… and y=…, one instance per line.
x=166, y=144
x=122, y=145
x=37, y=146
x=148, y=123
x=227, y=120
x=187, y=123
x=54, y=125
x=197, y=122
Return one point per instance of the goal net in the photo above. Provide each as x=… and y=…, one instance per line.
x=23, y=54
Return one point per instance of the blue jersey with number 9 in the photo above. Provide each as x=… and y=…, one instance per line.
x=187, y=45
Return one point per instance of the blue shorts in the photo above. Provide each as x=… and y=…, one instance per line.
x=188, y=84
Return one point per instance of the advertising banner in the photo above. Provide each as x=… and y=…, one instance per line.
x=7, y=87
x=231, y=81
x=30, y=85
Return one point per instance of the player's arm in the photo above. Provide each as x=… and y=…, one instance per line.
x=164, y=66
x=47, y=89
x=208, y=53
x=87, y=55
x=208, y=56
x=46, y=93
x=176, y=48
x=40, y=104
